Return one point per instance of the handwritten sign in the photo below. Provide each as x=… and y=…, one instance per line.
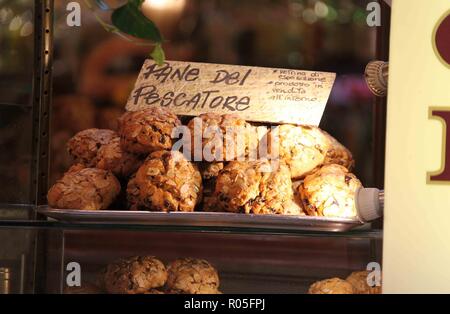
x=256, y=94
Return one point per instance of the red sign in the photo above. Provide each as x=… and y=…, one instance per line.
x=442, y=39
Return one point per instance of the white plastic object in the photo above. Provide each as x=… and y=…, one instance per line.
x=369, y=203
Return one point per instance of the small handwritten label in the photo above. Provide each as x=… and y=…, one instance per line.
x=256, y=94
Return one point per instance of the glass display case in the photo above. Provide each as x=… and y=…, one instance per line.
x=39, y=256
x=59, y=78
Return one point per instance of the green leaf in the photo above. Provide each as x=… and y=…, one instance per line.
x=130, y=20
x=158, y=55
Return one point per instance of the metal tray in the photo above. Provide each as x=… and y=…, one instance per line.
x=201, y=219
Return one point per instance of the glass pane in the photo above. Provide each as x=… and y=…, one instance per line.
x=95, y=70
x=21, y=270
x=16, y=80
x=245, y=263
x=16, y=154
x=16, y=51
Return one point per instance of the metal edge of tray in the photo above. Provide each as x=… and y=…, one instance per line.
x=200, y=219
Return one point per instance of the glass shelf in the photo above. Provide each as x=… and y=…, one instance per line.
x=362, y=233
x=20, y=216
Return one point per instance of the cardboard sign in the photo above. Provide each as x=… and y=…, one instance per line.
x=256, y=94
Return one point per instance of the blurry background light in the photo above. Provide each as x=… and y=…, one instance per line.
x=27, y=29
x=164, y=13
x=27, y=16
x=309, y=16
x=27, y=26
x=15, y=24
x=163, y=4
x=6, y=15
x=321, y=9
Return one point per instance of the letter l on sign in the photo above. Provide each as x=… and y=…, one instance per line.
x=443, y=175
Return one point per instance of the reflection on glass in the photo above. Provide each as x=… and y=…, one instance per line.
x=95, y=70
x=16, y=51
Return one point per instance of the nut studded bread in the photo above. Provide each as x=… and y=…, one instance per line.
x=85, y=189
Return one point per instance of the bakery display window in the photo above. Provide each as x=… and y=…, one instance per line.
x=107, y=205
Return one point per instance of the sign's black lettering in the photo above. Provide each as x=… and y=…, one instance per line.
x=243, y=104
x=194, y=101
x=167, y=72
x=216, y=102
x=176, y=102
x=207, y=94
x=233, y=78
x=167, y=99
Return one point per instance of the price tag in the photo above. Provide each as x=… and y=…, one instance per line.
x=255, y=93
